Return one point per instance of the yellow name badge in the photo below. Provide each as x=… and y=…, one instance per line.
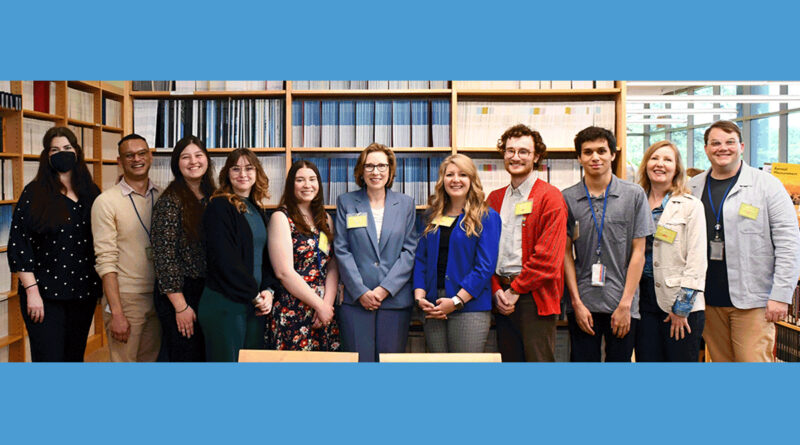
x=665, y=234
x=446, y=221
x=748, y=211
x=523, y=208
x=356, y=220
x=324, y=246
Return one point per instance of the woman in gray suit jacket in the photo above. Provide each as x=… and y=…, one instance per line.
x=375, y=246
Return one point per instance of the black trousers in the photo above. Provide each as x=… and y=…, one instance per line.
x=586, y=348
x=62, y=335
x=174, y=346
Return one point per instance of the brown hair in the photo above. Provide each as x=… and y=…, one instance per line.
x=362, y=159
x=678, y=181
x=726, y=126
x=289, y=202
x=518, y=131
x=260, y=191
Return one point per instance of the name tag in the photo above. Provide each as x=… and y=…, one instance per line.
x=446, y=221
x=324, y=246
x=523, y=208
x=665, y=234
x=356, y=220
x=748, y=211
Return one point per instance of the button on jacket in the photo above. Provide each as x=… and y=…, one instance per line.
x=763, y=254
x=683, y=262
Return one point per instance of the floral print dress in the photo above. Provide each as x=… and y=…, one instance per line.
x=290, y=324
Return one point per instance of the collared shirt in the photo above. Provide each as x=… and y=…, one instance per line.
x=627, y=217
x=509, y=260
x=127, y=189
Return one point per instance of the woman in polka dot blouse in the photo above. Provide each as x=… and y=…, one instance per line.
x=50, y=247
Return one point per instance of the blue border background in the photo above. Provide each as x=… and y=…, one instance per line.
x=557, y=403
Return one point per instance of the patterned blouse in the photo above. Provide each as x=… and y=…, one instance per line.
x=174, y=255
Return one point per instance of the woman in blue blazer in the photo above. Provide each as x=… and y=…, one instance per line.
x=374, y=246
x=455, y=260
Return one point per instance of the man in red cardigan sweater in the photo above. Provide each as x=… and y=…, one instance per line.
x=529, y=280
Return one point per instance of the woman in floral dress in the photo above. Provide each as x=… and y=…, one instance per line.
x=300, y=240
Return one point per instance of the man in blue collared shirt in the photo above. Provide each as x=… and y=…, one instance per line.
x=753, y=251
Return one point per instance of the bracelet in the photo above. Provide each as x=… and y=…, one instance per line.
x=28, y=287
x=184, y=309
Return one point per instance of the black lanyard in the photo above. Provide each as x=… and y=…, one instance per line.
x=152, y=204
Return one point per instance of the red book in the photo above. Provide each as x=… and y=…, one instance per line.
x=41, y=96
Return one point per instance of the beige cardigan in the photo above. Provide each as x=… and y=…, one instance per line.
x=682, y=263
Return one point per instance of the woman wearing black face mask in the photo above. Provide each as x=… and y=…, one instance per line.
x=50, y=247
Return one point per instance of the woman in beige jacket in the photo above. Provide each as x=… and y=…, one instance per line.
x=671, y=289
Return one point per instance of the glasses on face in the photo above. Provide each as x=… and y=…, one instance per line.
x=133, y=156
x=522, y=153
x=730, y=143
x=249, y=170
x=371, y=167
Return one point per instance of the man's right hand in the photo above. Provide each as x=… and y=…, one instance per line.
x=501, y=301
x=584, y=318
x=120, y=328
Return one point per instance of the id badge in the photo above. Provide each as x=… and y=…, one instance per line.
x=598, y=275
x=717, y=250
x=445, y=221
x=148, y=251
x=665, y=234
x=324, y=245
x=356, y=220
x=523, y=208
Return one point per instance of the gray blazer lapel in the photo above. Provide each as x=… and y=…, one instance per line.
x=389, y=217
x=362, y=206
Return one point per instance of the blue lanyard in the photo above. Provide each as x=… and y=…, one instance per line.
x=146, y=230
x=718, y=214
x=599, y=228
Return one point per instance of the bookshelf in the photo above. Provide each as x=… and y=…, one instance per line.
x=79, y=105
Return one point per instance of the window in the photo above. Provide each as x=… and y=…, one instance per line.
x=764, y=140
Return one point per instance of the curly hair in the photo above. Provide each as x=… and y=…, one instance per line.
x=476, y=206
x=518, y=131
x=259, y=194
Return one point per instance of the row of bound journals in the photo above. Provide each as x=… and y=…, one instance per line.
x=220, y=123
x=33, y=131
x=190, y=86
x=357, y=123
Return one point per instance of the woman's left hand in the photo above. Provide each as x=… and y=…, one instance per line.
x=443, y=307
x=676, y=330
x=264, y=307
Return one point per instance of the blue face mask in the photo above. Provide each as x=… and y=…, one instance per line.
x=63, y=161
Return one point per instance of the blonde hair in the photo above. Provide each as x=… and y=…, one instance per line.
x=474, y=209
x=678, y=181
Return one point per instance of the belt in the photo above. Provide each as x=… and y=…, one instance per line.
x=506, y=281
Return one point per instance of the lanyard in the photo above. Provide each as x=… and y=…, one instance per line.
x=718, y=214
x=146, y=230
x=599, y=228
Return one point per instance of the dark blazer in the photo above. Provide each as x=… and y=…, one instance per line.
x=229, y=242
x=365, y=264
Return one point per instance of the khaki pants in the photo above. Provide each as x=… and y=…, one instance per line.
x=739, y=335
x=144, y=341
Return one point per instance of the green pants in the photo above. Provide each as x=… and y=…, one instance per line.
x=228, y=326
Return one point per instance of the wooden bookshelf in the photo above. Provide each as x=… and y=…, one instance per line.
x=13, y=150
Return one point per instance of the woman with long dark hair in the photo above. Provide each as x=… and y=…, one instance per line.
x=51, y=248
x=179, y=250
x=239, y=278
x=300, y=237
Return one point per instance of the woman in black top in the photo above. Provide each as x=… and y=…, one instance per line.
x=179, y=250
x=239, y=278
x=51, y=249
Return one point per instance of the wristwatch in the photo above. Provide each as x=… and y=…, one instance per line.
x=457, y=302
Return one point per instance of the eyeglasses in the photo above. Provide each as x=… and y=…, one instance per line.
x=523, y=153
x=371, y=167
x=238, y=170
x=730, y=143
x=138, y=154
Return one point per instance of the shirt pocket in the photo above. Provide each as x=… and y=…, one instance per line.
x=677, y=225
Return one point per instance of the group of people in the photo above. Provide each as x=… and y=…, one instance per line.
x=204, y=269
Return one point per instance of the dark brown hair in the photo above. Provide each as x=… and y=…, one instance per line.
x=362, y=159
x=260, y=191
x=518, y=131
x=726, y=126
x=192, y=209
x=289, y=202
